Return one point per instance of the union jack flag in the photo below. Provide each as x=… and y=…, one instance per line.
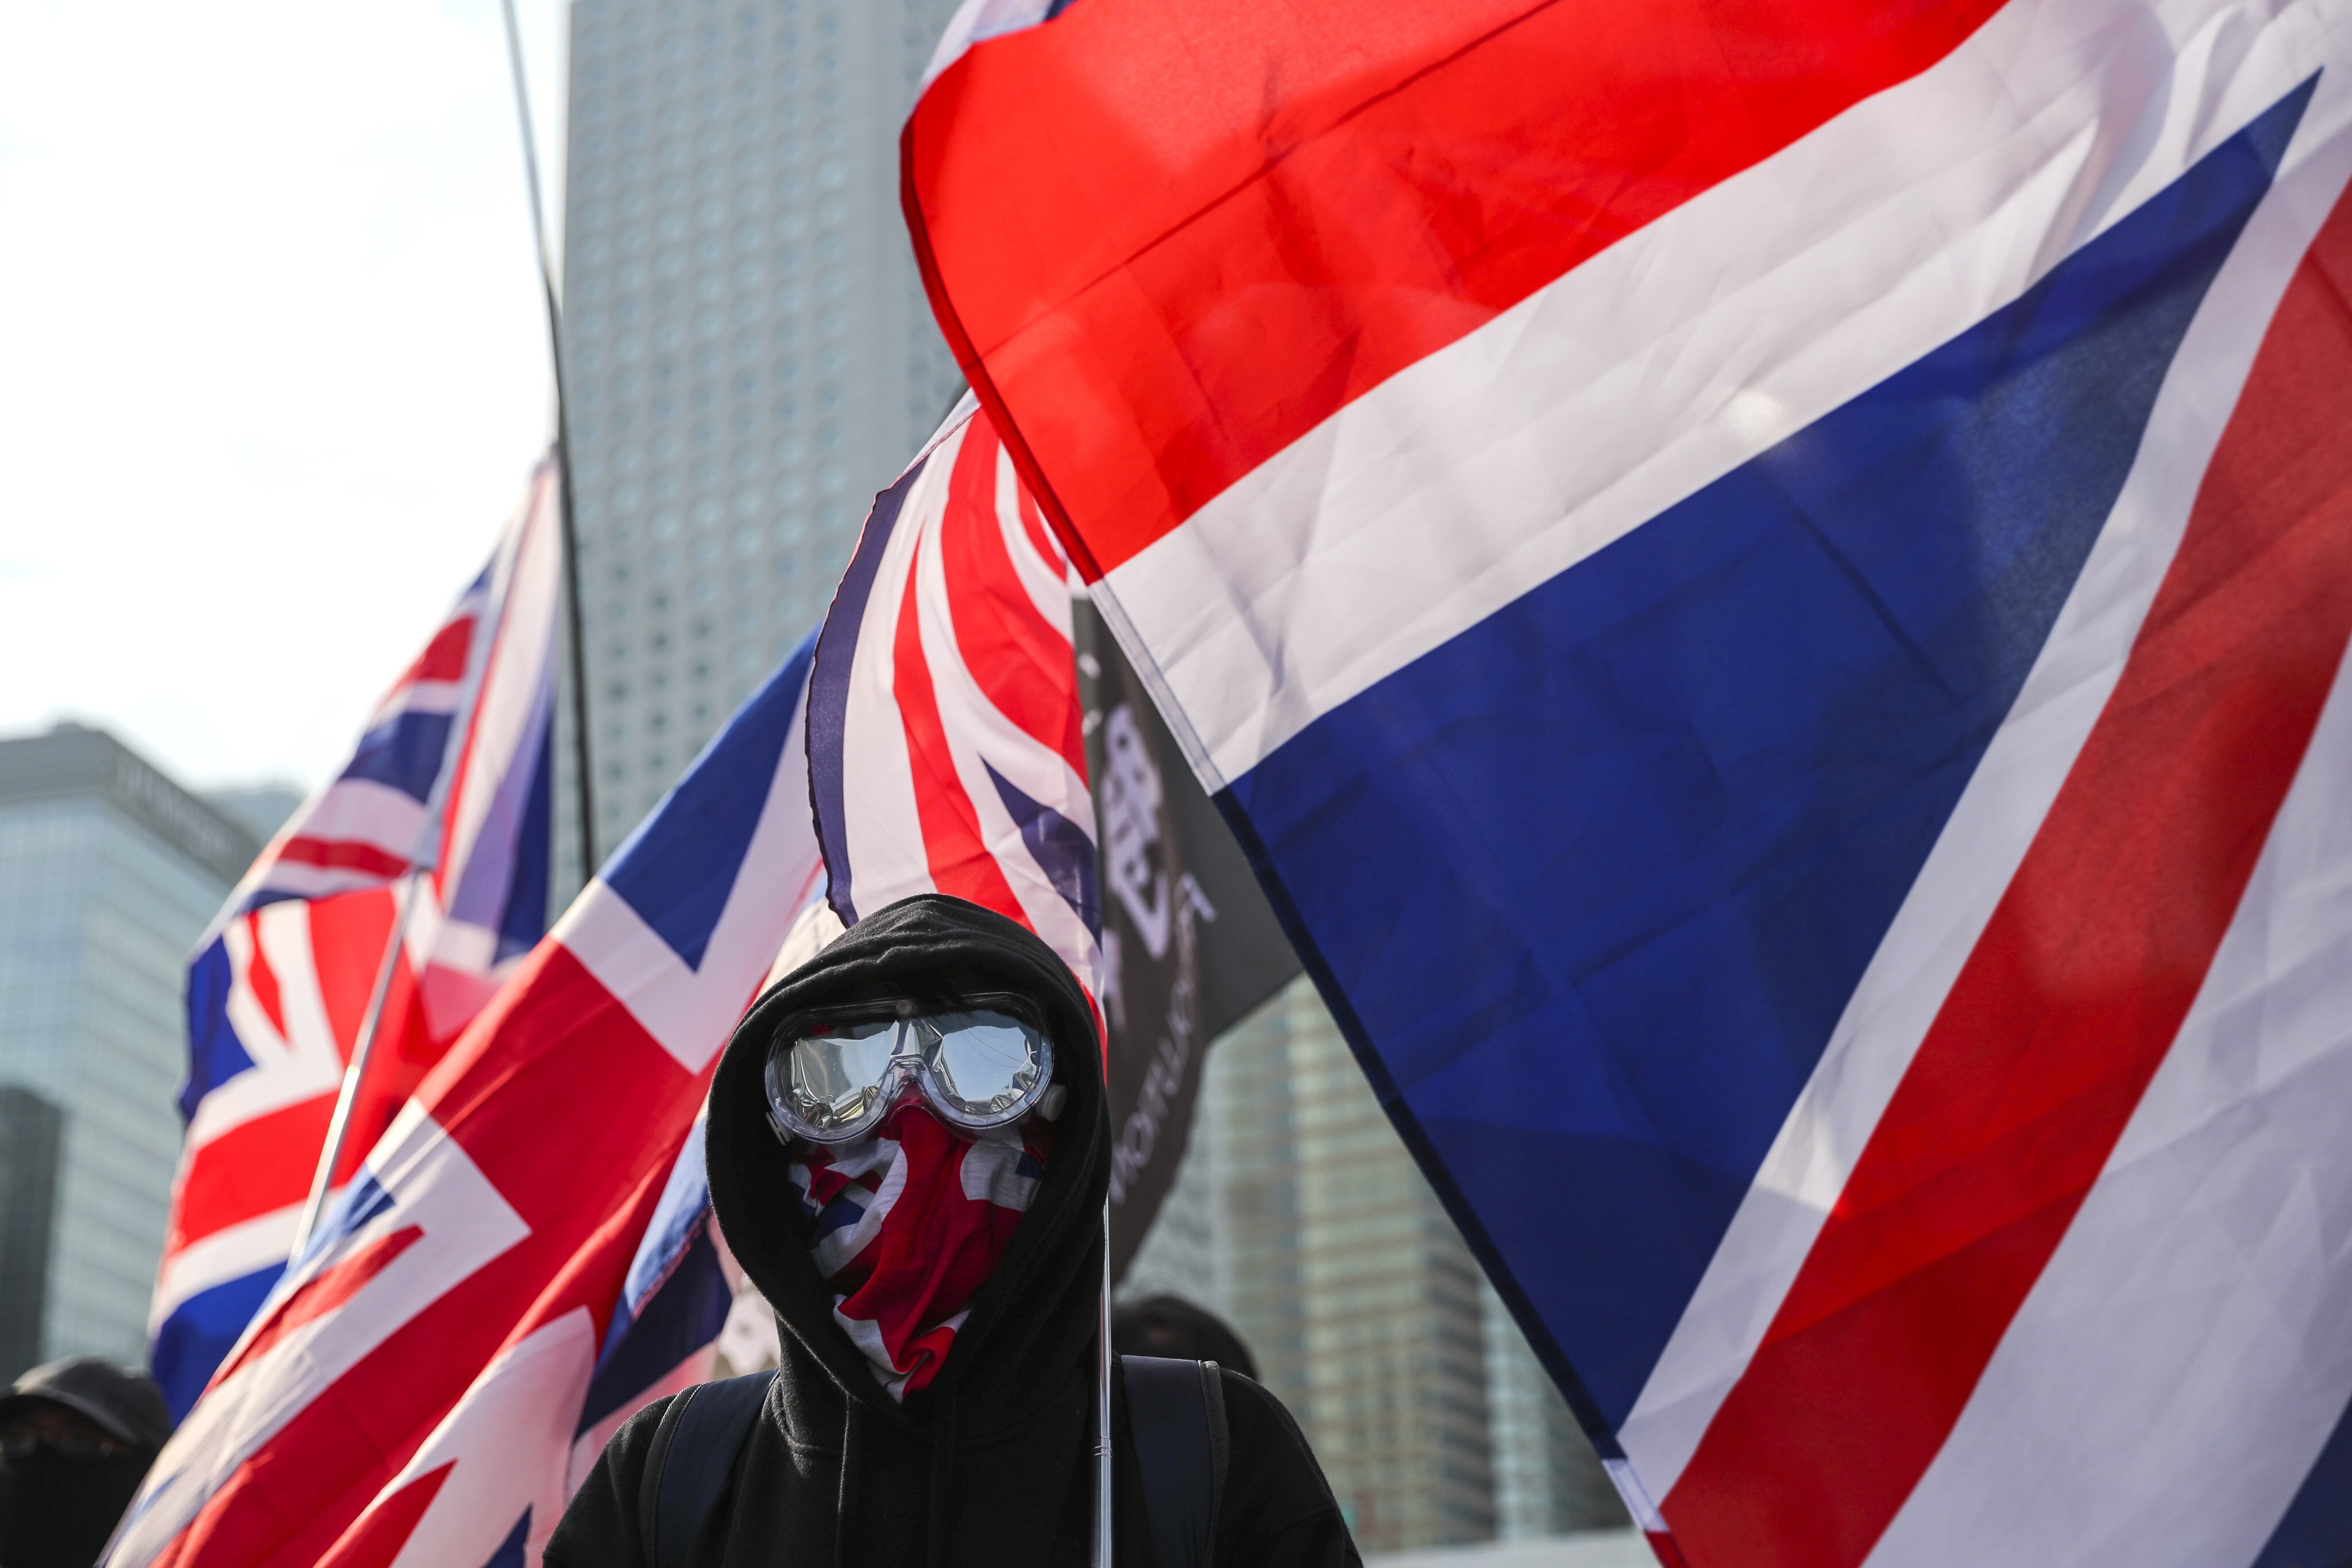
x=946, y=748
x=445, y=802
x=525, y=1256
x=1768, y=588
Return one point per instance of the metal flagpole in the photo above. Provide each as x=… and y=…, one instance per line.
x=1102, y=1405
x=370, y=1024
x=578, y=664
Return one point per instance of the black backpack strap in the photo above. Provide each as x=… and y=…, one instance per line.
x=1176, y=1419
x=693, y=1453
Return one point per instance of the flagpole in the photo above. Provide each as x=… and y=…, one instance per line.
x=370, y=1024
x=578, y=663
x=1102, y=1405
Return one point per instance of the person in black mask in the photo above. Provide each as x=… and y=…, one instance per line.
x=909, y=1150
x=75, y=1438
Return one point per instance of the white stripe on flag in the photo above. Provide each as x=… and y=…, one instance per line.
x=679, y=1006
x=231, y=1253
x=879, y=817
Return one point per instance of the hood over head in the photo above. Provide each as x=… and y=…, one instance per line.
x=1029, y=1338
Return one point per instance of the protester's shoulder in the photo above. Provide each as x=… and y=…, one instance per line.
x=1277, y=1508
x=1253, y=1416
x=599, y=1529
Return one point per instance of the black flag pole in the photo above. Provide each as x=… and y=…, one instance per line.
x=579, y=659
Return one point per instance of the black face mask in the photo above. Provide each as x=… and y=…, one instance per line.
x=57, y=1510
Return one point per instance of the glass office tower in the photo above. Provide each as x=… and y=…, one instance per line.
x=748, y=353
x=1298, y=1215
x=109, y=872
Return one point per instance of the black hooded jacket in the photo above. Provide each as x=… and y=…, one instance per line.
x=993, y=1463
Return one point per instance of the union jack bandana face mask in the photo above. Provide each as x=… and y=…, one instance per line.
x=909, y=1221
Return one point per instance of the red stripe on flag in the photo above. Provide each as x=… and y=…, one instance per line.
x=261, y=980
x=343, y=854
x=375, y=1541
x=255, y=1168
x=348, y=934
x=1168, y=240
x=953, y=845
x=1023, y=664
x=2074, y=992
x=443, y=657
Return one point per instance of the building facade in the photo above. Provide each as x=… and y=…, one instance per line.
x=31, y=1129
x=109, y=872
x=1298, y=1215
x=1547, y=1478
x=1350, y=1285
x=748, y=356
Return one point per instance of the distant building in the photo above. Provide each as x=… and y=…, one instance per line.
x=29, y=1134
x=1350, y=1285
x=109, y=872
x=1181, y=1255
x=1298, y=1215
x=261, y=809
x=747, y=351
x=1592, y=1549
x=1547, y=1478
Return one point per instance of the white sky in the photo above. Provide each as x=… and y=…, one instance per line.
x=272, y=358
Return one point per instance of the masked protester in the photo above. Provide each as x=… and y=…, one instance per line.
x=908, y=1148
x=75, y=1438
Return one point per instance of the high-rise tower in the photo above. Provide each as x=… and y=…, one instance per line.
x=1298, y=1214
x=748, y=353
x=109, y=871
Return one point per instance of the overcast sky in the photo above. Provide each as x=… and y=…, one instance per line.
x=272, y=359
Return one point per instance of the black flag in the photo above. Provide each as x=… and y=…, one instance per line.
x=1189, y=943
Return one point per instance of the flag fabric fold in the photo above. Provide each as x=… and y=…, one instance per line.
x=1767, y=587
x=444, y=804
x=946, y=746
x=524, y=1255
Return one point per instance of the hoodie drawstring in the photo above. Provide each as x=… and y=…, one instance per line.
x=844, y=1499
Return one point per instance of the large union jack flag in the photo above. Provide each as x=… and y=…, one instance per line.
x=445, y=806
x=1767, y=586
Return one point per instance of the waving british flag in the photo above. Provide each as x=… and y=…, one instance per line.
x=524, y=1254
x=444, y=806
x=1769, y=585
x=947, y=752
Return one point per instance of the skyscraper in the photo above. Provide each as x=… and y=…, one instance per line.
x=109, y=872
x=1298, y=1214
x=1349, y=1283
x=1547, y=1478
x=748, y=356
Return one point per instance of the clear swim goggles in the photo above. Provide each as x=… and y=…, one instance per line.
x=982, y=1063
